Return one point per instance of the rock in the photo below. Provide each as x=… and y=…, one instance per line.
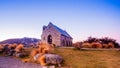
x=20, y=55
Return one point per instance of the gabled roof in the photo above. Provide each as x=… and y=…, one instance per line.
x=63, y=32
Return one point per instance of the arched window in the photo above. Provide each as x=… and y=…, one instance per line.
x=66, y=43
x=63, y=42
x=69, y=43
x=49, y=39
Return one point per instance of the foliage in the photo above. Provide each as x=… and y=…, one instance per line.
x=98, y=43
x=86, y=45
x=87, y=59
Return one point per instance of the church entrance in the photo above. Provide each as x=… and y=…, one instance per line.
x=49, y=39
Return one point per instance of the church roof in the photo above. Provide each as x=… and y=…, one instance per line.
x=63, y=32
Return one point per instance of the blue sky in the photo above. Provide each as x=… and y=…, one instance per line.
x=80, y=18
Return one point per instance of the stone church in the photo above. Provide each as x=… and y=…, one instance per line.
x=52, y=34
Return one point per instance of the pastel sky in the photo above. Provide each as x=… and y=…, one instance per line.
x=80, y=18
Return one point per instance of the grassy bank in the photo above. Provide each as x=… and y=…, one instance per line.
x=87, y=58
x=90, y=59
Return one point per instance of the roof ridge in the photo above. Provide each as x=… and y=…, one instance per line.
x=63, y=32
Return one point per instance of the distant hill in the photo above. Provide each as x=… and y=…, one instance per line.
x=26, y=41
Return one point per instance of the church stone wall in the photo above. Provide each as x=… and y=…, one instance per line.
x=66, y=41
x=53, y=32
x=57, y=38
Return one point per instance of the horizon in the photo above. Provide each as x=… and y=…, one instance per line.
x=80, y=18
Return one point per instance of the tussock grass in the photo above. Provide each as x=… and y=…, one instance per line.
x=74, y=58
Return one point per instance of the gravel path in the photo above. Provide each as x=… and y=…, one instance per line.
x=9, y=62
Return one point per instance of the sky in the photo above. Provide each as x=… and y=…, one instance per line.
x=80, y=18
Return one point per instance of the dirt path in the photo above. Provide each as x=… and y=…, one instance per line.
x=9, y=62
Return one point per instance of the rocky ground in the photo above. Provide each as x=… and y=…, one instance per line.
x=9, y=62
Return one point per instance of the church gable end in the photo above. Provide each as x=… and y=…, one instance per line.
x=52, y=34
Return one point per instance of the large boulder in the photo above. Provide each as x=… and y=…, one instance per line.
x=50, y=59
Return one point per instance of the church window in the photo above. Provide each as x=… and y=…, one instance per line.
x=49, y=39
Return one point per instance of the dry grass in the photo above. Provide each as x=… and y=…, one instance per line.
x=87, y=59
x=90, y=59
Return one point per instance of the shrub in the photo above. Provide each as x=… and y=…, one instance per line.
x=86, y=45
x=1, y=48
x=77, y=45
x=110, y=45
x=105, y=46
x=96, y=45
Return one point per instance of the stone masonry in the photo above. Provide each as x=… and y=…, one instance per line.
x=52, y=34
